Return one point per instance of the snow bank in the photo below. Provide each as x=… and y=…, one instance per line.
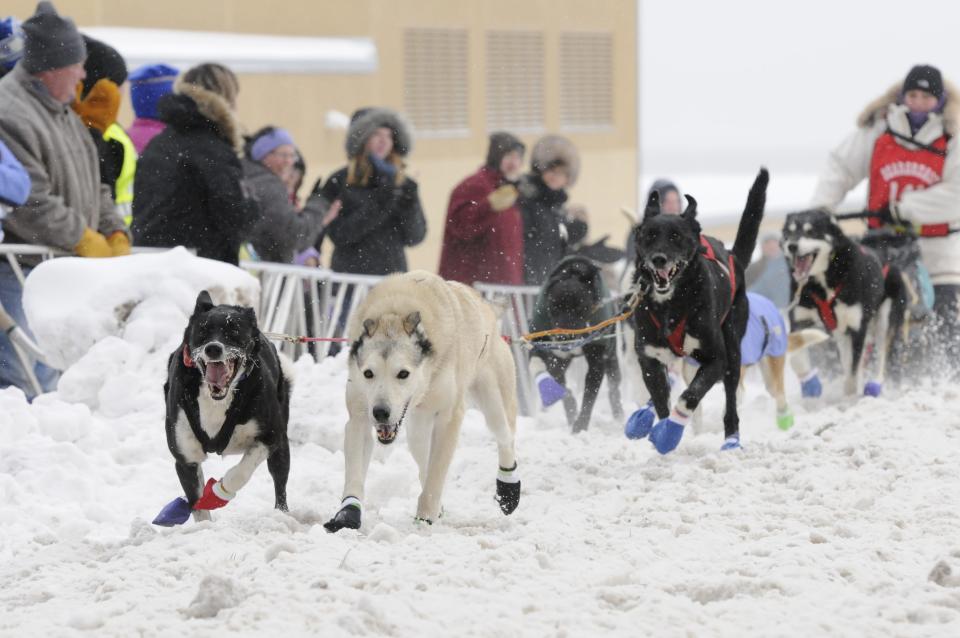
x=73, y=303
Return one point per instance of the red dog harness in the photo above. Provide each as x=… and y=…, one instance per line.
x=675, y=338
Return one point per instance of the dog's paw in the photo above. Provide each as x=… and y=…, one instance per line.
x=550, y=389
x=666, y=434
x=176, y=512
x=508, y=496
x=872, y=389
x=418, y=520
x=640, y=422
x=732, y=442
x=348, y=516
x=785, y=420
x=215, y=496
x=811, y=388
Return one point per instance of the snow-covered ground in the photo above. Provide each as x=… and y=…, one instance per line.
x=846, y=525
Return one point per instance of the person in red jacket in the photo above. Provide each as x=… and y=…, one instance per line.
x=483, y=235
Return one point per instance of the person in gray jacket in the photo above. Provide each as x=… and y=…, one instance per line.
x=67, y=208
x=283, y=231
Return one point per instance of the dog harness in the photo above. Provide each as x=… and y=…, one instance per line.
x=675, y=338
x=896, y=169
x=825, y=306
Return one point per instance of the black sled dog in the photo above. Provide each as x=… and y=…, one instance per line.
x=227, y=392
x=694, y=305
x=842, y=286
x=574, y=297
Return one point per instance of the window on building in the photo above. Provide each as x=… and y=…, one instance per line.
x=515, y=93
x=435, y=81
x=586, y=81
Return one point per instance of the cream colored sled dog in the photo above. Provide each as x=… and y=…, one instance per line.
x=422, y=346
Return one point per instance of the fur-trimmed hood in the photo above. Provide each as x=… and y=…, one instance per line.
x=366, y=121
x=192, y=106
x=877, y=108
x=556, y=148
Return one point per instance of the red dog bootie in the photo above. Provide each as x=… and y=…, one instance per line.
x=215, y=496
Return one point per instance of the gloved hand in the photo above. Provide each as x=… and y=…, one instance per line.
x=176, y=512
x=348, y=516
x=503, y=198
x=640, y=422
x=890, y=214
x=215, y=496
x=93, y=244
x=119, y=243
x=810, y=386
x=666, y=434
x=309, y=257
x=550, y=390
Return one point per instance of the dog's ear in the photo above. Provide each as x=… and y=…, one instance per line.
x=204, y=303
x=369, y=327
x=690, y=213
x=653, y=205
x=411, y=321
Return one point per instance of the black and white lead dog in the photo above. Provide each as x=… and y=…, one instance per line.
x=694, y=304
x=841, y=285
x=227, y=392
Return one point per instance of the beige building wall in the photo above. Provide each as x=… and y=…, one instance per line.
x=608, y=178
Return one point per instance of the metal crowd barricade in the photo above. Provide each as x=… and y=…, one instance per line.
x=23, y=345
x=311, y=302
x=517, y=303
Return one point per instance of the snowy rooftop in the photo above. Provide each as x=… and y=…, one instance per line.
x=244, y=53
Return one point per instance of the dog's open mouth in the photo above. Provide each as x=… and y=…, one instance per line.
x=218, y=375
x=387, y=432
x=802, y=265
x=663, y=277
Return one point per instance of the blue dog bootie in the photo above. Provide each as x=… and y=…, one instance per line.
x=810, y=386
x=732, y=442
x=640, y=422
x=176, y=512
x=666, y=434
x=872, y=389
x=550, y=389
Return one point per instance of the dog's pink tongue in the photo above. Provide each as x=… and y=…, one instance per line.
x=802, y=266
x=217, y=374
x=663, y=273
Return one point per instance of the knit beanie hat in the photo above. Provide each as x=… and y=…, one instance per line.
x=11, y=43
x=502, y=143
x=147, y=85
x=924, y=77
x=268, y=140
x=52, y=41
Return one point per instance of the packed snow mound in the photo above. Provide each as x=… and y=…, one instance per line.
x=72, y=303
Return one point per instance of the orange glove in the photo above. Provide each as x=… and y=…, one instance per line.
x=119, y=243
x=93, y=244
x=99, y=108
